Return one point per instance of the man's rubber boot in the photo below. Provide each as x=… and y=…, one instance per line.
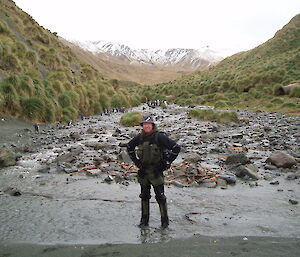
x=145, y=213
x=163, y=213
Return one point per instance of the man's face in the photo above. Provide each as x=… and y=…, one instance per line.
x=147, y=127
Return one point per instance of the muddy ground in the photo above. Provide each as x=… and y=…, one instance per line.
x=48, y=209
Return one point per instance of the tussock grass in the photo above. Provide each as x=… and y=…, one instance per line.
x=4, y=28
x=211, y=115
x=131, y=119
x=32, y=108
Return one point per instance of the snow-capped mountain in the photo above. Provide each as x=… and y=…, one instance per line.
x=192, y=58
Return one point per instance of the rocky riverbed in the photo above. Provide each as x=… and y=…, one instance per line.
x=75, y=184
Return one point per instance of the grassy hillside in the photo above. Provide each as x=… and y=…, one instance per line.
x=42, y=80
x=246, y=80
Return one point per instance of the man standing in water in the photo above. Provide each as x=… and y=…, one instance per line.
x=155, y=153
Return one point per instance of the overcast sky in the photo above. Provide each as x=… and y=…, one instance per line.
x=231, y=25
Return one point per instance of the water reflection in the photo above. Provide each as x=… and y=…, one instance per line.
x=155, y=235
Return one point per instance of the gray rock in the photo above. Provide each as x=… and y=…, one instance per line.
x=123, y=156
x=291, y=176
x=62, y=166
x=270, y=167
x=209, y=184
x=76, y=150
x=75, y=135
x=281, y=159
x=178, y=184
x=93, y=172
x=221, y=182
x=249, y=170
x=45, y=169
x=237, y=136
x=125, y=183
x=239, y=158
x=195, y=184
x=193, y=157
x=109, y=179
x=228, y=177
x=70, y=170
x=274, y=182
x=97, y=161
x=12, y=191
x=67, y=157
x=90, y=131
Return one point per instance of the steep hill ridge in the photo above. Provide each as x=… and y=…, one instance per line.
x=245, y=79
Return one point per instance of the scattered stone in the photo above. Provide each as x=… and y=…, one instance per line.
x=75, y=135
x=281, y=159
x=45, y=169
x=193, y=157
x=221, y=182
x=12, y=191
x=195, y=184
x=178, y=184
x=76, y=150
x=93, y=172
x=209, y=184
x=70, y=170
x=270, y=167
x=239, y=158
x=109, y=179
x=124, y=157
x=61, y=166
x=291, y=176
x=97, y=161
x=247, y=171
x=66, y=157
x=90, y=131
x=228, y=177
x=123, y=144
x=237, y=136
x=125, y=183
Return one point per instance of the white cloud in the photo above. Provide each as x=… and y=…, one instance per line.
x=230, y=24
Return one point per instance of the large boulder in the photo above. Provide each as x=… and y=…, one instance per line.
x=7, y=157
x=238, y=158
x=247, y=171
x=282, y=160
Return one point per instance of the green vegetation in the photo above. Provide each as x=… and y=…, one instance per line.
x=218, y=116
x=131, y=119
x=42, y=80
